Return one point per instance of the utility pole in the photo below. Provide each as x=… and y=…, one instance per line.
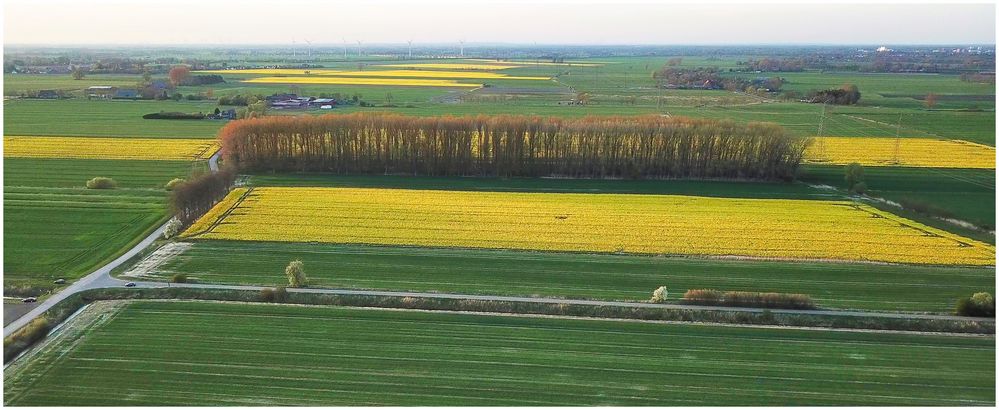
x=898, y=139
x=822, y=120
x=822, y=123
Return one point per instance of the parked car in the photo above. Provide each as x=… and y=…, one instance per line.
x=29, y=300
x=130, y=285
x=59, y=281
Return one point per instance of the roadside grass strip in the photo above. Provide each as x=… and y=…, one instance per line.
x=568, y=275
x=109, y=148
x=902, y=152
x=405, y=82
x=209, y=353
x=607, y=223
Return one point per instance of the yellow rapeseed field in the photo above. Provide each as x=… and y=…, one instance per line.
x=909, y=152
x=109, y=148
x=361, y=81
x=379, y=73
x=644, y=224
x=213, y=215
x=455, y=66
x=563, y=64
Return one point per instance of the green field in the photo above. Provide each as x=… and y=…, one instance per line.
x=82, y=117
x=205, y=353
x=748, y=189
x=52, y=233
x=56, y=228
x=965, y=194
x=567, y=275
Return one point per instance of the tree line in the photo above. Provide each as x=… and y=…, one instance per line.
x=710, y=78
x=511, y=146
x=192, y=198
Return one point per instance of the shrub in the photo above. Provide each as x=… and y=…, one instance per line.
x=266, y=295
x=172, y=229
x=853, y=175
x=296, y=274
x=703, y=296
x=280, y=294
x=659, y=295
x=981, y=304
x=859, y=188
x=25, y=337
x=179, y=278
x=749, y=299
x=101, y=183
x=173, y=183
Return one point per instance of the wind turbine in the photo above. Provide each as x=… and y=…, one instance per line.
x=344, y=48
x=293, y=49
x=410, y=49
x=358, y=48
x=309, y=42
x=461, y=48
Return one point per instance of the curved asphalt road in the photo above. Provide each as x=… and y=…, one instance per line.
x=101, y=278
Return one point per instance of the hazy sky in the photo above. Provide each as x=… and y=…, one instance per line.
x=526, y=22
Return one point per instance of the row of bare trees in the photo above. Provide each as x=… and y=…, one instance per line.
x=192, y=198
x=590, y=147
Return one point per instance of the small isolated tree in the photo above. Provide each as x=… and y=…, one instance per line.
x=854, y=175
x=179, y=278
x=296, y=274
x=78, y=73
x=930, y=101
x=173, y=183
x=980, y=304
x=172, y=228
x=101, y=183
x=659, y=295
x=179, y=74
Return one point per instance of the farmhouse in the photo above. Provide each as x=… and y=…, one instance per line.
x=101, y=91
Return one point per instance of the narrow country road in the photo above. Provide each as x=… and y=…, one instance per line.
x=98, y=279
x=101, y=278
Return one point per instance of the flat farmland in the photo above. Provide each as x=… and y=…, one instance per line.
x=175, y=149
x=84, y=117
x=52, y=233
x=207, y=353
x=55, y=228
x=642, y=224
x=550, y=274
x=905, y=152
x=964, y=194
x=74, y=173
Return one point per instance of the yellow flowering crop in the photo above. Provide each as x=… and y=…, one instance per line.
x=643, y=224
x=213, y=215
x=530, y=63
x=109, y=148
x=908, y=152
x=379, y=73
x=361, y=81
x=455, y=66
